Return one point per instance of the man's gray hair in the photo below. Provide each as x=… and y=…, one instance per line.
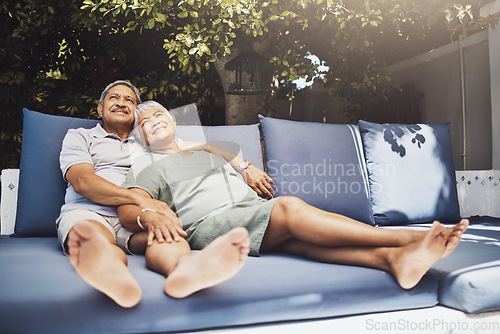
x=118, y=83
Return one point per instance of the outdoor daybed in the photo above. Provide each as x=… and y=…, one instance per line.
x=390, y=176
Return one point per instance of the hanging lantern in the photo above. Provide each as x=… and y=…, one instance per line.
x=251, y=73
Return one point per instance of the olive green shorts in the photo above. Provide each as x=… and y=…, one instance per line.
x=253, y=215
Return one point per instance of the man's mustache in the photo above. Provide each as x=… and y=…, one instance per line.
x=123, y=109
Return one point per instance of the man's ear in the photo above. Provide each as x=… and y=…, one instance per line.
x=99, y=110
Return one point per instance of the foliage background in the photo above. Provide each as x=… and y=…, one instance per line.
x=51, y=64
x=56, y=56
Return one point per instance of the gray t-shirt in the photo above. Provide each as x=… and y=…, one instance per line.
x=195, y=185
x=110, y=156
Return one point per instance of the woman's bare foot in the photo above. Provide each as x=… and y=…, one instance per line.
x=454, y=236
x=99, y=263
x=411, y=262
x=216, y=263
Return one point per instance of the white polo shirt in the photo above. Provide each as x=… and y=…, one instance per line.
x=110, y=156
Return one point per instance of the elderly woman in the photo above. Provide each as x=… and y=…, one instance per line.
x=210, y=198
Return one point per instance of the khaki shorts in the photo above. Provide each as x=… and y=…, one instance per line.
x=67, y=220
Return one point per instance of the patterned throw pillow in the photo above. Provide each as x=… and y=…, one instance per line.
x=411, y=172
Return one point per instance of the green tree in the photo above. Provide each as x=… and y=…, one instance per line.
x=353, y=38
x=51, y=63
x=56, y=56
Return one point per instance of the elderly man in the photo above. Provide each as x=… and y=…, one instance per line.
x=95, y=162
x=210, y=199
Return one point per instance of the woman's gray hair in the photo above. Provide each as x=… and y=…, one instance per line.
x=137, y=133
x=118, y=83
x=148, y=105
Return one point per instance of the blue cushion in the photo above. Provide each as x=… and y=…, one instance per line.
x=468, y=278
x=41, y=185
x=42, y=293
x=411, y=173
x=320, y=163
x=243, y=140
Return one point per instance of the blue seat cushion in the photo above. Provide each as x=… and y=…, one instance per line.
x=42, y=293
x=411, y=173
x=468, y=278
x=322, y=164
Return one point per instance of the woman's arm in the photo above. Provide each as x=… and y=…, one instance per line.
x=259, y=181
x=160, y=226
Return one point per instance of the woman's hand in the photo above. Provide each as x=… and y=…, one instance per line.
x=163, y=227
x=259, y=181
x=145, y=201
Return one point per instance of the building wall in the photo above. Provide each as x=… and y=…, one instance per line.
x=438, y=77
x=494, y=50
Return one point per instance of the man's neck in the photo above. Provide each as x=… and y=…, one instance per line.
x=121, y=132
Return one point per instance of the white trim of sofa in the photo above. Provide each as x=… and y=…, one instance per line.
x=478, y=194
x=356, y=136
x=8, y=205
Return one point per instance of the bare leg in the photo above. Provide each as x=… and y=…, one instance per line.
x=101, y=263
x=406, y=263
x=190, y=272
x=293, y=219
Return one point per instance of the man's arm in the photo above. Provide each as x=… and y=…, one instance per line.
x=163, y=227
x=259, y=181
x=88, y=184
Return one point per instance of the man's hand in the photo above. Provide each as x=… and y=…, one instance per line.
x=163, y=228
x=259, y=181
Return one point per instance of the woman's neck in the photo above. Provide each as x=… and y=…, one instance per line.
x=166, y=149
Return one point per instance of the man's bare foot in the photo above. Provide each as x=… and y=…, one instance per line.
x=411, y=262
x=216, y=263
x=98, y=263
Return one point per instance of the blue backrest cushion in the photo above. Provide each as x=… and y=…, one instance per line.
x=320, y=163
x=243, y=140
x=411, y=172
x=41, y=185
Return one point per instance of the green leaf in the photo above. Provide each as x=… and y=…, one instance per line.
x=151, y=24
